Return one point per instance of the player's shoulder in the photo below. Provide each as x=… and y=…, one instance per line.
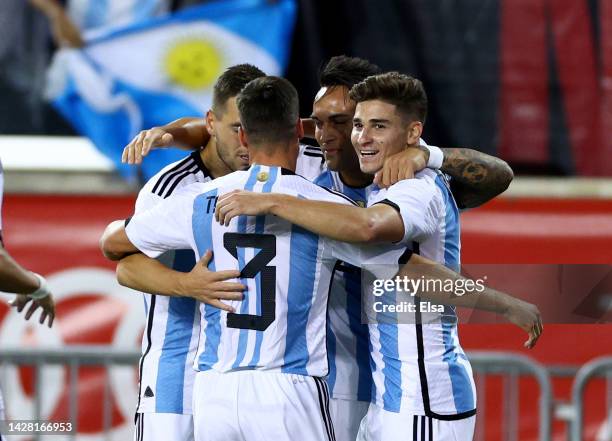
x=178, y=174
x=311, y=150
x=309, y=190
x=310, y=161
x=424, y=180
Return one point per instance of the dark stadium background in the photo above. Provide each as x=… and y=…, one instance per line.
x=478, y=60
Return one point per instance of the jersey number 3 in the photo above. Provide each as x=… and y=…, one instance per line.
x=266, y=243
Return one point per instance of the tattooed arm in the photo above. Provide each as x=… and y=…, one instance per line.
x=477, y=177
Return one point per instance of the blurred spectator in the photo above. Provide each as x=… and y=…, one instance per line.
x=24, y=56
x=72, y=23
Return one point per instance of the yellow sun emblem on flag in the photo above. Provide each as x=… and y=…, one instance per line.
x=193, y=63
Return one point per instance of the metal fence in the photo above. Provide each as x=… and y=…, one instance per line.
x=510, y=366
x=73, y=357
x=599, y=367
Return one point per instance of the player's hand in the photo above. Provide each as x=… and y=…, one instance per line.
x=527, y=317
x=47, y=304
x=402, y=165
x=211, y=287
x=240, y=202
x=144, y=142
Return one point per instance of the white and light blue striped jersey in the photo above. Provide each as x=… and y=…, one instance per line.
x=350, y=373
x=169, y=342
x=422, y=368
x=281, y=322
x=90, y=15
x=310, y=162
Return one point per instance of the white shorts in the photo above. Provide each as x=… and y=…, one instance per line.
x=163, y=427
x=382, y=425
x=260, y=406
x=346, y=416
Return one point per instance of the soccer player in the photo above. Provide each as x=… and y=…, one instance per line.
x=478, y=178
x=389, y=116
x=259, y=370
x=172, y=327
x=169, y=343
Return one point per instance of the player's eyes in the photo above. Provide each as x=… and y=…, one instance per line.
x=340, y=122
x=379, y=126
x=357, y=125
x=318, y=124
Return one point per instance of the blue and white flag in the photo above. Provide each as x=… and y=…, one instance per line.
x=162, y=69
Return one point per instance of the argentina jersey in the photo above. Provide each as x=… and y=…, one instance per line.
x=169, y=342
x=350, y=374
x=310, y=162
x=280, y=325
x=421, y=368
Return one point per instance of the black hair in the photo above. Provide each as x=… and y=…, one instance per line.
x=231, y=82
x=346, y=71
x=269, y=110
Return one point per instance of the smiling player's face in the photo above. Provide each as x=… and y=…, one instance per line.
x=224, y=128
x=332, y=112
x=379, y=131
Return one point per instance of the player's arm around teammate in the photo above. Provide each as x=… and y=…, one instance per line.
x=141, y=273
x=187, y=133
x=476, y=177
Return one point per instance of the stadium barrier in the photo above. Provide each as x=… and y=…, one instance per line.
x=72, y=357
x=595, y=368
x=511, y=366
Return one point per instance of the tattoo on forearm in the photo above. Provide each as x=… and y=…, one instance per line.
x=477, y=177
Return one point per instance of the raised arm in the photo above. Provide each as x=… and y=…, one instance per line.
x=523, y=314
x=477, y=177
x=379, y=223
x=65, y=32
x=188, y=133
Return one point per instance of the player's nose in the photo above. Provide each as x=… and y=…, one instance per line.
x=363, y=137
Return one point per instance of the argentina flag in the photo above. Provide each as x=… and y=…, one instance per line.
x=153, y=72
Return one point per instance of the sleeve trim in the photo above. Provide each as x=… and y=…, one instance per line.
x=390, y=204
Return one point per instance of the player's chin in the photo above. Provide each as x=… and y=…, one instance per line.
x=369, y=167
x=333, y=163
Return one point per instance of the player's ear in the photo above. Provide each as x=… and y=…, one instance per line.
x=415, y=130
x=299, y=127
x=210, y=122
x=242, y=137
